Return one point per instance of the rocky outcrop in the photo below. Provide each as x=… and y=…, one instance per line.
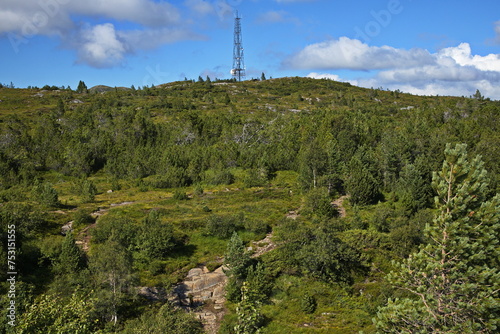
x=202, y=287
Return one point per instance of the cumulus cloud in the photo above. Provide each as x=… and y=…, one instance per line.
x=144, y=12
x=329, y=76
x=101, y=46
x=346, y=53
x=450, y=71
x=98, y=45
x=200, y=7
x=53, y=16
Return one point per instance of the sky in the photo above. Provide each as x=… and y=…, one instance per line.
x=424, y=47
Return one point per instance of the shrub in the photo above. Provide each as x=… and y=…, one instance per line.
x=88, y=191
x=260, y=228
x=45, y=194
x=156, y=267
x=256, y=177
x=319, y=203
x=82, y=218
x=308, y=304
x=198, y=190
x=221, y=227
x=180, y=195
x=218, y=177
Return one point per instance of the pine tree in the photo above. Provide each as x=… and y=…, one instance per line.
x=454, y=280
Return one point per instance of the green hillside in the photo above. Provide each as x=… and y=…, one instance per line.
x=160, y=180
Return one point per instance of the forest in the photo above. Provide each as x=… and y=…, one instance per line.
x=325, y=207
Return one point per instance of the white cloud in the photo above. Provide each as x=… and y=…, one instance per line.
x=274, y=16
x=450, y=71
x=53, y=16
x=145, y=12
x=346, y=53
x=330, y=76
x=101, y=46
x=462, y=55
x=200, y=7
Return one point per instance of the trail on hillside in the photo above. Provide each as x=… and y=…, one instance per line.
x=339, y=204
x=83, y=238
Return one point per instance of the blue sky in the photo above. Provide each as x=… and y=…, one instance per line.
x=418, y=46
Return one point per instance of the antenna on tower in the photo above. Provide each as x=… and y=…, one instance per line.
x=238, y=71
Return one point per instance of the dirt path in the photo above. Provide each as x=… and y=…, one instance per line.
x=339, y=205
x=83, y=238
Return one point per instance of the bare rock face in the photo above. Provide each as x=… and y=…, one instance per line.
x=202, y=287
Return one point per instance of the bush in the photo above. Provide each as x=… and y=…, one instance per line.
x=308, y=304
x=45, y=194
x=256, y=177
x=319, y=203
x=198, y=190
x=88, y=191
x=156, y=267
x=221, y=227
x=82, y=218
x=219, y=177
x=180, y=195
x=260, y=228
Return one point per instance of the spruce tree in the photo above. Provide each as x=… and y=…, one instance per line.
x=236, y=263
x=361, y=184
x=71, y=259
x=236, y=259
x=454, y=281
x=82, y=87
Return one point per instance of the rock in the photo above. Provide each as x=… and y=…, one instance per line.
x=152, y=293
x=68, y=227
x=218, y=292
x=109, y=191
x=194, y=272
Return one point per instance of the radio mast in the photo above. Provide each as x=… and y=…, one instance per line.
x=238, y=71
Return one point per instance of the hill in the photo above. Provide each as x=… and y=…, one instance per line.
x=102, y=89
x=157, y=181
